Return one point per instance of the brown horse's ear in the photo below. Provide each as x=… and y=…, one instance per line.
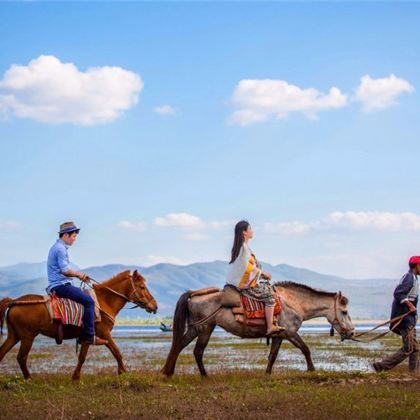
x=339, y=295
x=135, y=274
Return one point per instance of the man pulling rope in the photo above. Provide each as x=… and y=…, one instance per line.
x=405, y=303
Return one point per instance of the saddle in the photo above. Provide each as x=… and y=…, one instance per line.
x=64, y=311
x=246, y=310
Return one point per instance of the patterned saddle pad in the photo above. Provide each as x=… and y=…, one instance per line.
x=69, y=312
x=254, y=309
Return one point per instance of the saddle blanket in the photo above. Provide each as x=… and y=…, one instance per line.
x=254, y=309
x=69, y=312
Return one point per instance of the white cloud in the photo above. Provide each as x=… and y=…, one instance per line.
x=50, y=91
x=386, y=221
x=178, y=219
x=196, y=236
x=263, y=99
x=362, y=220
x=165, y=110
x=10, y=225
x=193, y=226
x=134, y=226
x=381, y=93
x=288, y=228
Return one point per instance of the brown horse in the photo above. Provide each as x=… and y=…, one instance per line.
x=28, y=316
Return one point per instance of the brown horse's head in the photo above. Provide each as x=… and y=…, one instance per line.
x=140, y=294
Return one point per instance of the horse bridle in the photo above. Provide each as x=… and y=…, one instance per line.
x=137, y=303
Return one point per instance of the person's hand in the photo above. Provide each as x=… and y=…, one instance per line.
x=84, y=277
x=266, y=276
x=411, y=307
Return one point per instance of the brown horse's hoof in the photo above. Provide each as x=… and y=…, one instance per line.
x=75, y=378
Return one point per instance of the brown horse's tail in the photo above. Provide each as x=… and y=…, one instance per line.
x=4, y=304
x=180, y=320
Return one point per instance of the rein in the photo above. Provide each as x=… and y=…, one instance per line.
x=397, y=319
x=128, y=299
x=205, y=319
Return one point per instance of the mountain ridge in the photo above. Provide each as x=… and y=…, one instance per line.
x=167, y=281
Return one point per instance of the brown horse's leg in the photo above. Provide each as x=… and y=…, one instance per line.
x=82, y=357
x=274, y=351
x=22, y=356
x=297, y=341
x=10, y=342
x=169, y=367
x=201, y=344
x=116, y=353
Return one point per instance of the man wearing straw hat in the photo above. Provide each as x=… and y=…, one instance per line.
x=406, y=296
x=60, y=280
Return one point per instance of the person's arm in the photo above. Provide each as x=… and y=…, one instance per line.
x=253, y=271
x=265, y=275
x=403, y=289
x=79, y=274
x=65, y=268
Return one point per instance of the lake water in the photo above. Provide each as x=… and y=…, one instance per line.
x=133, y=330
x=146, y=347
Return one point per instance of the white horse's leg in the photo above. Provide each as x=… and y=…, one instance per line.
x=297, y=341
x=274, y=351
x=169, y=367
x=201, y=344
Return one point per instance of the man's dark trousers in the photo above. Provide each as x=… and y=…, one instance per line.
x=75, y=293
x=409, y=349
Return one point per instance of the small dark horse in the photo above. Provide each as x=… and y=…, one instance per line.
x=197, y=316
x=25, y=320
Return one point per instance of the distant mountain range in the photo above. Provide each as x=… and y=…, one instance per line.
x=369, y=298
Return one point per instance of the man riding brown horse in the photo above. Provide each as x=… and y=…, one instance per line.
x=60, y=280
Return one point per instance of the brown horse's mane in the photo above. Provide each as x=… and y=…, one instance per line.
x=292, y=285
x=114, y=279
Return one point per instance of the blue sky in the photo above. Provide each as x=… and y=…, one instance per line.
x=329, y=183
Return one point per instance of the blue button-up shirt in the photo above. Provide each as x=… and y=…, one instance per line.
x=58, y=263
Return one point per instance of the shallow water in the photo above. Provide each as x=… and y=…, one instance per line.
x=146, y=347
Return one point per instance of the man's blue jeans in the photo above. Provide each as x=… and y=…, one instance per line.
x=75, y=293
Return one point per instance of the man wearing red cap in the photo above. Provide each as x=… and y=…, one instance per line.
x=405, y=302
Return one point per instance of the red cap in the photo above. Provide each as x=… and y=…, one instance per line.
x=414, y=260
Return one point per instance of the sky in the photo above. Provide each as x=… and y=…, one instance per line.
x=157, y=126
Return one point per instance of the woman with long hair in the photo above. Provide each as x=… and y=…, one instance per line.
x=246, y=273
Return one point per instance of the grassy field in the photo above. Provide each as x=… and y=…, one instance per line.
x=238, y=394
x=237, y=386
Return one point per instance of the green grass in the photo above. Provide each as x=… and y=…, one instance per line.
x=229, y=391
x=231, y=394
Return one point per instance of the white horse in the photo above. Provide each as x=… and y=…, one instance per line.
x=197, y=316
